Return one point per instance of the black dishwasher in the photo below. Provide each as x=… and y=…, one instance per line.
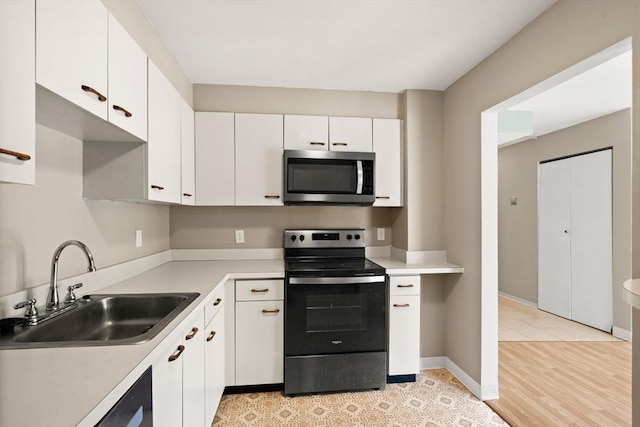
x=135, y=408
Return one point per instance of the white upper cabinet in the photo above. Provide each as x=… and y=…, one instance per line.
x=17, y=86
x=350, y=134
x=259, y=146
x=187, y=131
x=215, y=159
x=306, y=133
x=71, y=50
x=387, y=144
x=164, y=147
x=127, y=81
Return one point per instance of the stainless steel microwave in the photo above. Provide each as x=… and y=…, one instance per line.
x=328, y=178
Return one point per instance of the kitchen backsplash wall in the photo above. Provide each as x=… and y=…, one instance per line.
x=34, y=220
x=213, y=227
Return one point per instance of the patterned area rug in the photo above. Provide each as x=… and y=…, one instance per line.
x=437, y=398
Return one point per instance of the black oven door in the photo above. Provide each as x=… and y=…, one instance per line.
x=329, y=315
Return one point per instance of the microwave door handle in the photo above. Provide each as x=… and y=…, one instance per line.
x=360, y=177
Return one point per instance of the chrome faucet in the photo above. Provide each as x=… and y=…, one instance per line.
x=53, y=300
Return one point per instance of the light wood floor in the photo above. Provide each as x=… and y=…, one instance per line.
x=548, y=382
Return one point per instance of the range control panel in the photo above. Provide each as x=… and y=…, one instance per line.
x=327, y=238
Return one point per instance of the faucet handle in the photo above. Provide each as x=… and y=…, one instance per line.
x=71, y=297
x=31, y=315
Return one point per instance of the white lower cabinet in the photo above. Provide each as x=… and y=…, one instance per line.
x=404, y=325
x=193, y=373
x=259, y=336
x=167, y=383
x=214, y=371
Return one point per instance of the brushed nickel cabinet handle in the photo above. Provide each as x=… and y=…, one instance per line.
x=157, y=187
x=276, y=311
x=271, y=197
x=217, y=301
x=89, y=89
x=383, y=197
x=405, y=286
x=16, y=154
x=317, y=143
x=259, y=291
x=211, y=335
x=177, y=354
x=342, y=144
x=191, y=334
x=119, y=108
x=401, y=305
x=187, y=195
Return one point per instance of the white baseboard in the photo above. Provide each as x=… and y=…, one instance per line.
x=487, y=392
x=518, y=299
x=623, y=334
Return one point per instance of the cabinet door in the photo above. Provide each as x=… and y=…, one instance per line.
x=71, y=52
x=193, y=373
x=187, y=142
x=127, y=75
x=306, y=133
x=167, y=384
x=259, y=342
x=17, y=86
x=215, y=159
x=215, y=366
x=163, y=147
x=259, y=145
x=387, y=144
x=404, y=335
x=350, y=134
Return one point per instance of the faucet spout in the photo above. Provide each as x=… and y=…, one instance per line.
x=53, y=300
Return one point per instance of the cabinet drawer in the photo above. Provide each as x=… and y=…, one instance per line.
x=260, y=290
x=214, y=304
x=404, y=285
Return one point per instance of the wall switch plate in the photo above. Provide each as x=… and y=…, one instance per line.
x=138, y=238
x=380, y=233
x=239, y=236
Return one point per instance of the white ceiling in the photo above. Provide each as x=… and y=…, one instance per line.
x=371, y=45
x=601, y=90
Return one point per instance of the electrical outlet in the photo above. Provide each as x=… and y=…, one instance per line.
x=138, y=238
x=239, y=236
x=380, y=232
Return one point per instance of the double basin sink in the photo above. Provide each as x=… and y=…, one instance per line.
x=103, y=320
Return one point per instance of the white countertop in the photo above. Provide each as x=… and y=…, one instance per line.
x=631, y=292
x=60, y=386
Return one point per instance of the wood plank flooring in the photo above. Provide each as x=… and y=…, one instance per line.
x=564, y=383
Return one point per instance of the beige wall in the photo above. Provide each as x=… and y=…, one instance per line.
x=130, y=16
x=567, y=33
x=432, y=316
x=34, y=220
x=518, y=225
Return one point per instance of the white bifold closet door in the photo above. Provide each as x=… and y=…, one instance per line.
x=574, y=239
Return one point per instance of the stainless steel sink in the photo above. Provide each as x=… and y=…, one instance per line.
x=105, y=320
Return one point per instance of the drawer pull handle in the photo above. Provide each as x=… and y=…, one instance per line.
x=341, y=144
x=259, y=291
x=16, y=154
x=119, y=108
x=217, y=301
x=401, y=305
x=157, y=187
x=271, y=197
x=211, y=335
x=405, y=286
x=383, y=197
x=187, y=195
x=89, y=89
x=192, y=334
x=177, y=354
x=276, y=311
x=317, y=143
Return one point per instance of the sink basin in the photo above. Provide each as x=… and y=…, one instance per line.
x=107, y=320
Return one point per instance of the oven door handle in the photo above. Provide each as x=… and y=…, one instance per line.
x=336, y=280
